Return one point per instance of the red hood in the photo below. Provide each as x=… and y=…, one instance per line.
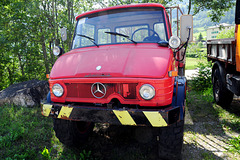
x=129, y=60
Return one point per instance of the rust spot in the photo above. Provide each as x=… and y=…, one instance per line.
x=64, y=117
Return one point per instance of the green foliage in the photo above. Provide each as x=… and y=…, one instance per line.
x=200, y=37
x=23, y=131
x=226, y=34
x=203, y=80
x=201, y=21
x=216, y=9
x=195, y=50
x=46, y=154
x=191, y=63
x=84, y=155
x=235, y=144
x=26, y=134
x=30, y=29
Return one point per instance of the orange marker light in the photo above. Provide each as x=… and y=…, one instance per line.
x=173, y=73
x=47, y=76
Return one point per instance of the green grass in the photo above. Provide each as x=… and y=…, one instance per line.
x=26, y=134
x=201, y=105
x=191, y=63
x=21, y=129
x=234, y=145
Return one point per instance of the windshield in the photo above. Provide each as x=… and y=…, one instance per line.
x=129, y=25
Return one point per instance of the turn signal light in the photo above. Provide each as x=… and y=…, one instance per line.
x=173, y=73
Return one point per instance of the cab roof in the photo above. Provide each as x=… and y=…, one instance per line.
x=120, y=7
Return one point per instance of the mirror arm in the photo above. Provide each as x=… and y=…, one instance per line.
x=62, y=48
x=184, y=45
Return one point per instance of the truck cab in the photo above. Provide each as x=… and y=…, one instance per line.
x=122, y=69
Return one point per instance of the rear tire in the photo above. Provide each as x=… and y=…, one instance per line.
x=222, y=95
x=171, y=141
x=72, y=133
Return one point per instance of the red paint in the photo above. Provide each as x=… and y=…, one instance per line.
x=129, y=60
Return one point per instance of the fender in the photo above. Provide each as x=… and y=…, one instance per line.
x=179, y=94
x=221, y=70
x=49, y=97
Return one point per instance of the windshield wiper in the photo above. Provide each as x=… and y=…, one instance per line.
x=123, y=35
x=91, y=39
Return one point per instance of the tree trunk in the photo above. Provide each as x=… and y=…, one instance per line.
x=44, y=53
x=189, y=6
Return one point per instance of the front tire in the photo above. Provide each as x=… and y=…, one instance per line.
x=72, y=133
x=171, y=141
x=222, y=95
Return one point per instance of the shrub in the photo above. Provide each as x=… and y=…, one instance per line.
x=203, y=80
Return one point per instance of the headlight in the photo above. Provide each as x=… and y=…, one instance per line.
x=57, y=90
x=174, y=42
x=147, y=92
x=57, y=51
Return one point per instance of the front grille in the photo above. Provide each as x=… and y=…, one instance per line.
x=83, y=90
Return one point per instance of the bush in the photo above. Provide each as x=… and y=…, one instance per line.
x=195, y=50
x=203, y=80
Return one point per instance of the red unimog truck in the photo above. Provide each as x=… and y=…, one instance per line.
x=122, y=71
x=225, y=54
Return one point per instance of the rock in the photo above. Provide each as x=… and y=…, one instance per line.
x=28, y=93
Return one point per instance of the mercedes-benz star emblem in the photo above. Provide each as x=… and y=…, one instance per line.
x=98, y=90
x=98, y=68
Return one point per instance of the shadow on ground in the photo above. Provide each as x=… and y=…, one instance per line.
x=206, y=136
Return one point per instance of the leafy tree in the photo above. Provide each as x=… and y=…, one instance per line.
x=194, y=50
x=226, y=34
x=216, y=8
x=200, y=37
x=30, y=28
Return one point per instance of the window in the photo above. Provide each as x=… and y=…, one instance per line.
x=140, y=32
x=83, y=29
x=104, y=38
x=159, y=28
x=143, y=25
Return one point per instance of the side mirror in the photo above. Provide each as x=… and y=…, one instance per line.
x=186, y=23
x=64, y=33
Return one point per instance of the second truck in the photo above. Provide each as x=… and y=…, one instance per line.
x=225, y=55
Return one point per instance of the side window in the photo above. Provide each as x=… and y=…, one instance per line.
x=160, y=29
x=104, y=38
x=83, y=29
x=87, y=30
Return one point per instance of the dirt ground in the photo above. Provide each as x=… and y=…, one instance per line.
x=204, y=137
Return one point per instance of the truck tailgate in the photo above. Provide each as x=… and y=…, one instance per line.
x=222, y=50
